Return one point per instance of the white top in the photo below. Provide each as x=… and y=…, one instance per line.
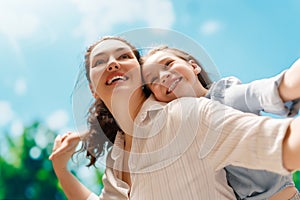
x=179, y=150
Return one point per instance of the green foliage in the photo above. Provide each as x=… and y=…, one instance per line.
x=25, y=171
x=296, y=177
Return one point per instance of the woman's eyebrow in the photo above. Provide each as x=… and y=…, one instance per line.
x=121, y=49
x=117, y=50
x=99, y=54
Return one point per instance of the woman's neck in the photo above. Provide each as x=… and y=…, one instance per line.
x=125, y=111
x=127, y=149
x=127, y=142
x=135, y=106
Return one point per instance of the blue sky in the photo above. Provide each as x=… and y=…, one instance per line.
x=42, y=44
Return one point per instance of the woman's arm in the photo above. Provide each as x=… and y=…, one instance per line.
x=289, y=88
x=291, y=146
x=63, y=148
x=228, y=135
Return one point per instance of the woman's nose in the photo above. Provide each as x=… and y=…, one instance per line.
x=113, y=65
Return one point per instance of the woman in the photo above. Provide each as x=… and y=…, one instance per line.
x=120, y=79
x=123, y=72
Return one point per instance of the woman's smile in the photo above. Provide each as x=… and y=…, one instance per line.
x=115, y=78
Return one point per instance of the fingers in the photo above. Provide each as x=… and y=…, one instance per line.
x=57, y=139
x=56, y=146
x=64, y=144
x=59, y=148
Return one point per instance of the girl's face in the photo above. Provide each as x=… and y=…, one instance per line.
x=170, y=77
x=114, y=70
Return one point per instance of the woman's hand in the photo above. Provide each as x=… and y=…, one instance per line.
x=289, y=88
x=63, y=148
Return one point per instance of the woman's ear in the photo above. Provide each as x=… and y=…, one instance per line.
x=93, y=92
x=196, y=67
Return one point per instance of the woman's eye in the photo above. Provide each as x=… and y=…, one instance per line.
x=99, y=62
x=124, y=56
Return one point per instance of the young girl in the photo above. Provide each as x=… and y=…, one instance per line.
x=171, y=73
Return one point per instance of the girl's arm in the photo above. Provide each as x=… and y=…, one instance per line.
x=63, y=148
x=289, y=88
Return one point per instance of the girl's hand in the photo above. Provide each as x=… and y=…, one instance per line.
x=63, y=148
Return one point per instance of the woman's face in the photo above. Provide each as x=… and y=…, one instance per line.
x=114, y=69
x=170, y=77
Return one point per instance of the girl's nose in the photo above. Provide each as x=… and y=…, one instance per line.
x=164, y=77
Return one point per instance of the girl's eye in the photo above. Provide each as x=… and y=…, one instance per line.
x=168, y=63
x=153, y=80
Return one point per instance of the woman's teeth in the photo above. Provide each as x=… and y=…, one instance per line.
x=116, y=78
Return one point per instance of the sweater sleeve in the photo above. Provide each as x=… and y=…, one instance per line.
x=259, y=95
x=229, y=136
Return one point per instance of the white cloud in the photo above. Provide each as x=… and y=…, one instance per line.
x=20, y=87
x=210, y=27
x=6, y=113
x=31, y=19
x=18, y=26
x=58, y=120
x=158, y=13
x=101, y=16
x=18, y=19
x=25, y=20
